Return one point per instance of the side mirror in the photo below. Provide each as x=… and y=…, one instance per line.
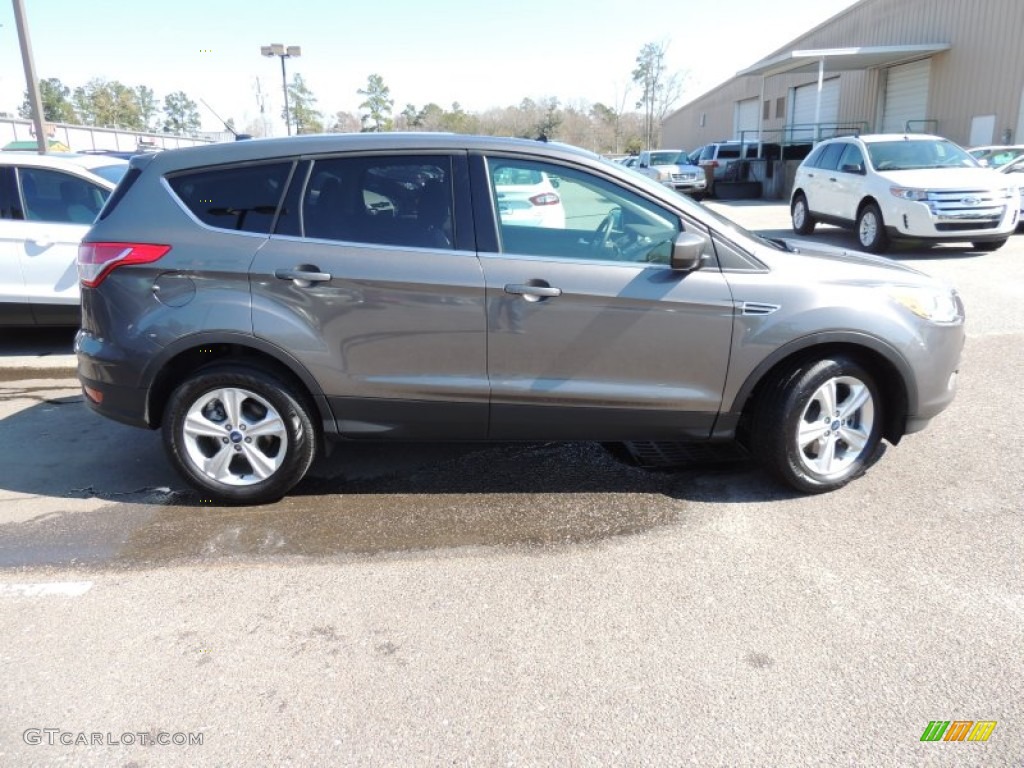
x=687, y=252
x=858, y=168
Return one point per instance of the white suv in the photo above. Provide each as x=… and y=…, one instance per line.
x=47, y=203
x=890, y=186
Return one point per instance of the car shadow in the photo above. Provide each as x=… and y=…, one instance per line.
x=838, y=237
x=362, y=499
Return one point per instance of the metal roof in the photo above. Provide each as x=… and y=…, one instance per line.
x=842, y=59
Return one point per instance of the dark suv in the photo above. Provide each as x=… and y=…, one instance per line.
x=253, y=299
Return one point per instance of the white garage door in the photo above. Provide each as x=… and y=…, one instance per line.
x=745, y=118
x=804, y=107
x=906, y=96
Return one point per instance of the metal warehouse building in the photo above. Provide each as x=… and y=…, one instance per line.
x=951, y=67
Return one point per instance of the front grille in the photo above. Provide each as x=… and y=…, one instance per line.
x=973, y=207
x=684, y=177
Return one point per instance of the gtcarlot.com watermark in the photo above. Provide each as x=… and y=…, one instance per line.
x=59, y=737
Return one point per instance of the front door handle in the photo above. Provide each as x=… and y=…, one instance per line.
x=305, y=275
x=534, y=291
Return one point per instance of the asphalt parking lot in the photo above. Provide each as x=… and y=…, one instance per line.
x=516, y=605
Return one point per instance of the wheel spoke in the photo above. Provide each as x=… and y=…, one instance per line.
x=811, y=431
x=826, y=456
x=232, y=401
x=262, y=466
x=271, y=426
x=827, y=397
x=856, y=439
x=859, y=396
x=197, y=425
x=217, y=465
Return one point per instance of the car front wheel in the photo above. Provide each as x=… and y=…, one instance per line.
x=818, y=426
x=871, y=229
x=238, y=435
x=803, y=222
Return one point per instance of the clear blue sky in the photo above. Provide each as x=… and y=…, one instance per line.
x=481, y=54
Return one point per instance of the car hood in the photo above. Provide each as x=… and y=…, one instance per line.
x=945, y=178
x=838, y=264
x=677, y=168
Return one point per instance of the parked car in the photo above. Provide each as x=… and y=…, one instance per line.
x=916, y=186
x=1015, y=170
x=672, y=168
x=718, y=156
x=252, y=301
x=527, y=197
x=996, y=156
x=47, y=203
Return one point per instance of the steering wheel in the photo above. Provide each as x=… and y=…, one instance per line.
x=603, y=233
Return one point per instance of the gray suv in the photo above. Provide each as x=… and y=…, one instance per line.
x=256, y=299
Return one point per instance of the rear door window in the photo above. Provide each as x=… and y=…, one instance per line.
x=10, y=205
x=243, y=198
x=58, y=197
x=401, y=200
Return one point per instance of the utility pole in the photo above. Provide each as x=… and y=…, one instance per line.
x=34, y=99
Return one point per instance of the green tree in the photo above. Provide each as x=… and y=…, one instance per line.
x=377, y=103
x=181, y=115
x=658, y=91
x=149, y=107
x=302, y=105
x=56, y=99
x=109, y=104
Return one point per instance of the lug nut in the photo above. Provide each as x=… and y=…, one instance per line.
x=248, y=439
x=224, y=440
x=242, y=427
x=238, y=447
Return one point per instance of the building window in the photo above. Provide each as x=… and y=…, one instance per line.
x=780, y=107
x=766, y=111
x=703, y=119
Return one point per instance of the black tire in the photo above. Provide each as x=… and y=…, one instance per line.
x=799, y=455
x=803, y=222
x=284, y=447
x=871, y=229
x=990, y=245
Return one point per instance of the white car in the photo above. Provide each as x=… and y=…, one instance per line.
x=672, y=168
x=997, y=156
x=896, y=186
x=47, y=203
x=1015, y=170
x=527, y=197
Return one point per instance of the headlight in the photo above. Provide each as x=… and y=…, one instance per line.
x=907, y=193
x=940, y=305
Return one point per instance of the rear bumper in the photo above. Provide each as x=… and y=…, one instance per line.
x=124, y=401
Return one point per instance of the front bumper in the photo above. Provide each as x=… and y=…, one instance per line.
x=932, y=221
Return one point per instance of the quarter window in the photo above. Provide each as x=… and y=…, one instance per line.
x=58, y=197
x=403, y=201
x=241, y=198
x=549, y=210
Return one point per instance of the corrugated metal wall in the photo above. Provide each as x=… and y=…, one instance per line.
x=982, y=73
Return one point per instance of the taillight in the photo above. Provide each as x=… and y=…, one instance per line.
x=545, y=198
x=96, y=260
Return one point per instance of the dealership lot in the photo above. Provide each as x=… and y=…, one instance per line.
x=522, y=604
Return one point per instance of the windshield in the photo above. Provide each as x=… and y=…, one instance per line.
x=904, y=155
x=669, y=158
x=110, y=172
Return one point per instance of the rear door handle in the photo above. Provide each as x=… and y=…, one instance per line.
x=305, y=274
x=539, y=291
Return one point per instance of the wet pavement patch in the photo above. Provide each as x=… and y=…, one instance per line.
x=537, y=495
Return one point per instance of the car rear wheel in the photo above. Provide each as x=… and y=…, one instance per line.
x=990, y=245
x=238, y=435
x=871, y=229
x=803, y=222
x=819, y=425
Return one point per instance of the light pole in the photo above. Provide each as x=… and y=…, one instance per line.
x=285, y=52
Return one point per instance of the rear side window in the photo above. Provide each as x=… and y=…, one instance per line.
x=59, y=197
x=243, y=198
x=401, y=200
x=728, y=153
x=10, y=206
